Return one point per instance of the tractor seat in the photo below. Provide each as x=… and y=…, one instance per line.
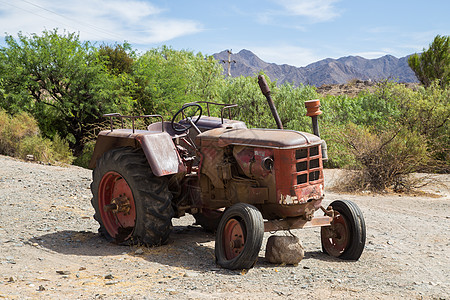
x=167, y=126
x=207, y=123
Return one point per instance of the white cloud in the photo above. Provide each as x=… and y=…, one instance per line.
x=138, y=22
x=291, y=55
x=316, y=10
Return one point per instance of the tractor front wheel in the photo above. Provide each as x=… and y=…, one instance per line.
x=131, y=204
x=346, y=236
x=239, y=237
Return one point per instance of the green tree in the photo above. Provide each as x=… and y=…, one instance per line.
x=167, y=78
x=434, y=63
x=118, y=58
x=61, y=81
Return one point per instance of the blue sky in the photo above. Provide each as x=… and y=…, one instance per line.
x=294, y=32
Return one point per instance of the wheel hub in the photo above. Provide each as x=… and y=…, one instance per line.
x=335, y=238
x=119, y=204
x=234, y=238
x=116, y=199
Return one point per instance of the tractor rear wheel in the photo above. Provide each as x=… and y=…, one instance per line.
x=131, y=204
x=346, y=236
x=239, y=237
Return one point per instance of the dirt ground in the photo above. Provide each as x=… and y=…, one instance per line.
x=50, y=249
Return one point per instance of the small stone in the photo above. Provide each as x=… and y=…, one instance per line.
x=35, y=244
x=111, y=282
x=82, y=269
x=41, y=288
x=60, y=272
x=109, y=276
x=139, y=251
x=12, y=279
x=279, y=293
x=190, y=274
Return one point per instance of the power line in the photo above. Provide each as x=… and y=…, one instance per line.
x=75, y=20
x=97, y=29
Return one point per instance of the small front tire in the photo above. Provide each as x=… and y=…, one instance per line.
x=346, y=237
x=239, y=237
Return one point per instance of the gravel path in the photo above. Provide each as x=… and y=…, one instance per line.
x=50, y=249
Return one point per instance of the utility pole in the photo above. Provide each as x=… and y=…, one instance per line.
x=229, y=61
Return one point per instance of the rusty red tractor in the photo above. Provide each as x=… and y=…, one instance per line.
x=235, y=181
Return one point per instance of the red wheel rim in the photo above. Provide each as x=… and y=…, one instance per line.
x=336, y=238
x=233, y=238
x=113, y=186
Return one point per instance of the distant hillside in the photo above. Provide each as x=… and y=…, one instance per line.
x=327, y=71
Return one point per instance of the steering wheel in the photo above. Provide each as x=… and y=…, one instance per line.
x=189, y=113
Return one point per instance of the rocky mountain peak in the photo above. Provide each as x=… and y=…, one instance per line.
x=326, y=71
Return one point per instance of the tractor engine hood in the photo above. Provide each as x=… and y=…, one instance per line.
x=266, y=138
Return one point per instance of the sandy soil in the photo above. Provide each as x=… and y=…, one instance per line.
x=50, y=249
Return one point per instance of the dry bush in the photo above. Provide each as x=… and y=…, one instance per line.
x=383, y=160
x=14, y=129
x=19, y=137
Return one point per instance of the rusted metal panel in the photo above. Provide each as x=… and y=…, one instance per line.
x=251, y=160
x=296, y=223
x=161, y=153
x=158, y=147
x=107, y=141
x=267, y=138
x=258, y=195
x=299, y=177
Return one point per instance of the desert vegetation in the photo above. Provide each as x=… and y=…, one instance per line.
x=55, y=88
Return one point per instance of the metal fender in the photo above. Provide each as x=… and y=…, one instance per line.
x=159, y=149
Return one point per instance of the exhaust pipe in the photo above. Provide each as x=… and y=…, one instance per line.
x=266, y=92
x=313, y=111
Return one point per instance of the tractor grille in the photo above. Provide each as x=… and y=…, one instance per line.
x=308, y=164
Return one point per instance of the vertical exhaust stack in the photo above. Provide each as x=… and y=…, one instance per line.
x=266, y=92
x=313, y=111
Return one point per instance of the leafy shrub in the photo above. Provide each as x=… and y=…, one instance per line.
x=85, y=157
x=37, y=146
x=19, y=137
x=61, y=151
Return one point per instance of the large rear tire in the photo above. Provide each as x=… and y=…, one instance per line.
x=239, y=237
x=131, y=204
x=346, y=237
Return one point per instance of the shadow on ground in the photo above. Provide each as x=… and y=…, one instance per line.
x=189, y=247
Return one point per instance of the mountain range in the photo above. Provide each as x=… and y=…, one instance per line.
x=326, y=71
